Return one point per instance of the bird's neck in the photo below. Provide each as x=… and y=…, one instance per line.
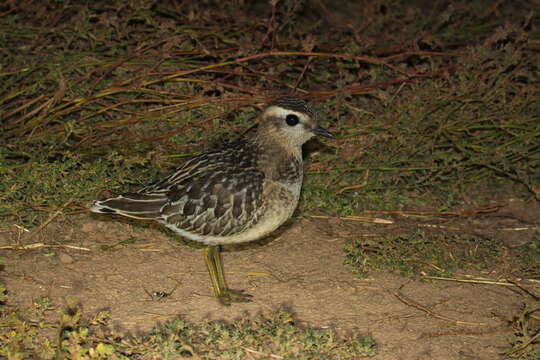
x=281, y=161
x=279, y=146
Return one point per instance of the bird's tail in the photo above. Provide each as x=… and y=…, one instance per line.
x=133, y=205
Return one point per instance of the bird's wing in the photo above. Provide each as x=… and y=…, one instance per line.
x=217, y=193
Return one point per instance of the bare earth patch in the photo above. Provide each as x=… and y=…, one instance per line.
x=300, y=269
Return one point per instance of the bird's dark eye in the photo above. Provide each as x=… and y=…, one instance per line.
x=292, y=119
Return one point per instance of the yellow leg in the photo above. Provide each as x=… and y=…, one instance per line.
x=219, y=269
x=212, y=258
x=209, y=259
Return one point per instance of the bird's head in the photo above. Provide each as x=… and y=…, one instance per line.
x=291, y=121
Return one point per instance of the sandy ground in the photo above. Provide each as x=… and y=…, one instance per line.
x=301, y=268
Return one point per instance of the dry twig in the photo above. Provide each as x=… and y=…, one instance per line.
x=51, y=218
x=454, y=213
x=41, y=245
x=414, y=304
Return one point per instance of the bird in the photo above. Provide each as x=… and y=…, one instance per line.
x=234, y=193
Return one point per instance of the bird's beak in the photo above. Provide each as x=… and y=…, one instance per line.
x=319, y=131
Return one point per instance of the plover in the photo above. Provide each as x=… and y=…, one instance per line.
x=240, y=192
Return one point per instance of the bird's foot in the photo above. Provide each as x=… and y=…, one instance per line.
x=228, y=296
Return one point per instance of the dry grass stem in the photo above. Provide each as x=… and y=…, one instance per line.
x=261, y=353
x=41, y=245
x=482, y=281
x=50, y=219
x=416, y=305
x=473, y=212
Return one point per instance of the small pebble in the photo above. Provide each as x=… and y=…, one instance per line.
x=65, y=258
x=88, y=227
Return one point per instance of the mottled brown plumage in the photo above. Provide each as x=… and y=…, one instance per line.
x=237, y=193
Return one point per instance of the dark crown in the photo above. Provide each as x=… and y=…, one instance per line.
x=294, y=104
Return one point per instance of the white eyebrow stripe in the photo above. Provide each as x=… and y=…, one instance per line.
x=278, y=111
